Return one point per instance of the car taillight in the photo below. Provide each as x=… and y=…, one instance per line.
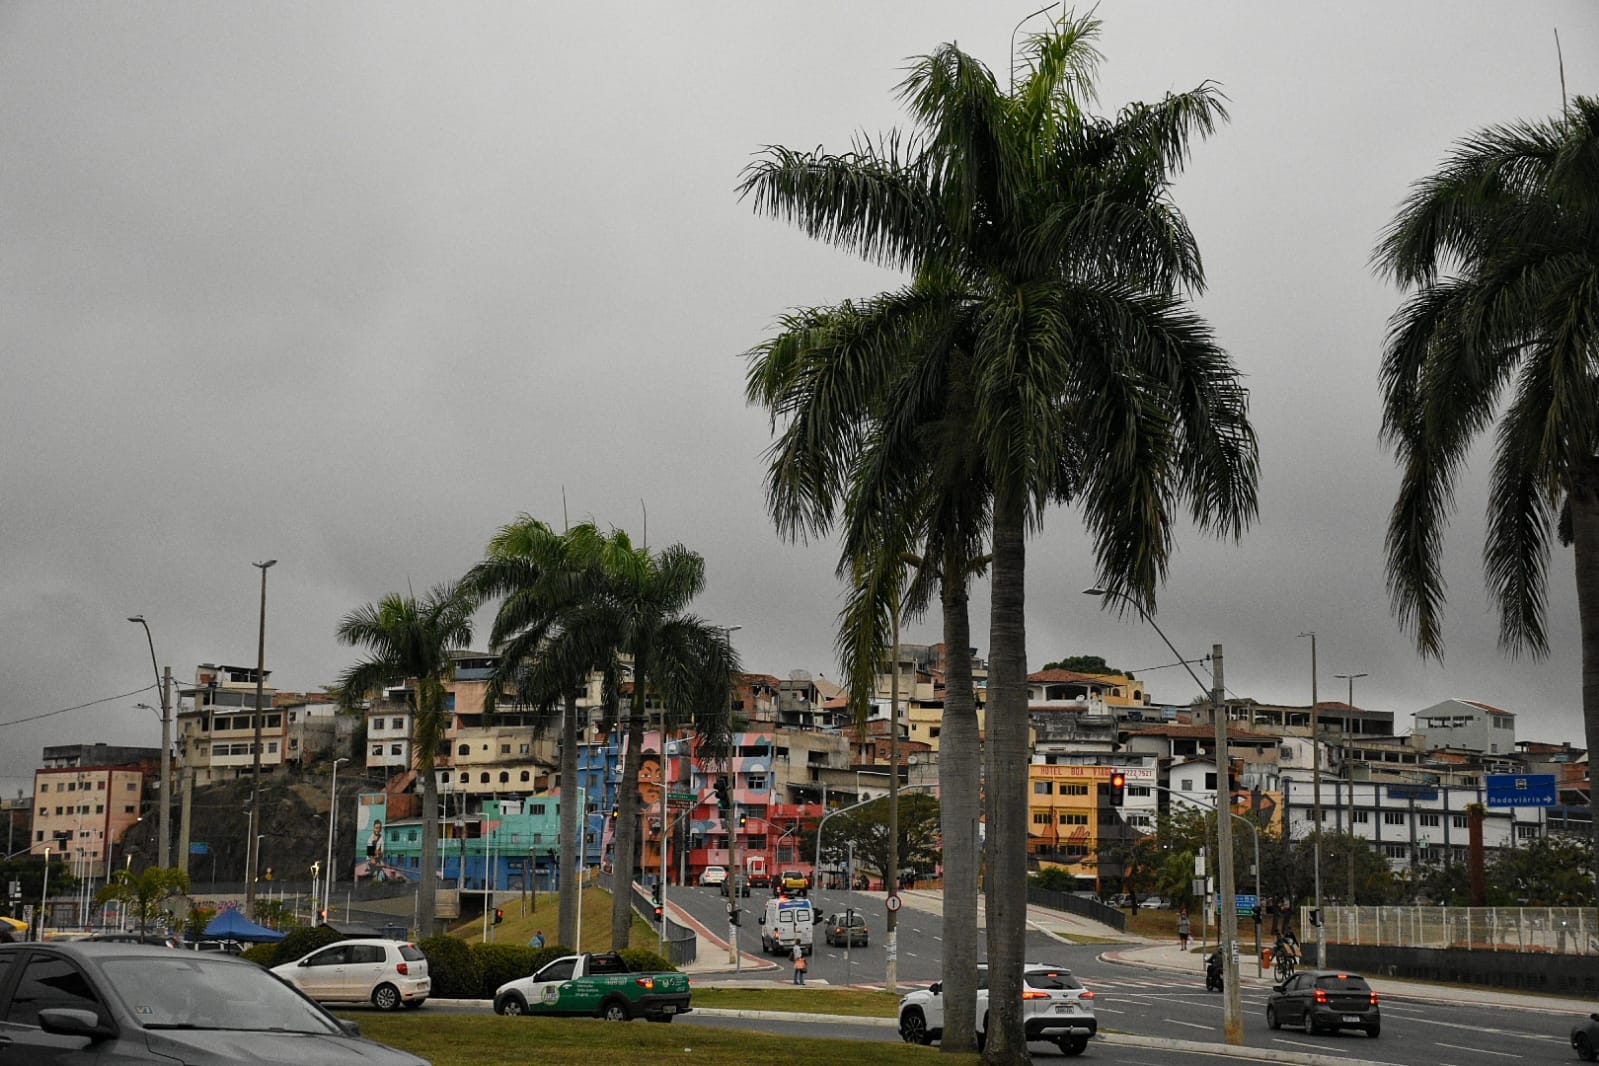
x=1087, y=994
x=1374, y=997
x=1034, y=994
x=1321, y=995
x=647, y=983
x=403, y=969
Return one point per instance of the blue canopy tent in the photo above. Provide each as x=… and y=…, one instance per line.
x=230, y=924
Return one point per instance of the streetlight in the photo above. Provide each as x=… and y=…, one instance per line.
x=162, y=858
x=732, y=827
x=255, y=772
x=1226, y=899
x=333, y=817
x=1315, y=791
x=1351, y=679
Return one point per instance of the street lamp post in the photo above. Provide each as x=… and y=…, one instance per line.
x=1351, y=679
x=1315, y=791
x=891, y=921
x=333, y=819
x=1232, y=1003
x=255, y=770
x=165, y=688
x=732, y=829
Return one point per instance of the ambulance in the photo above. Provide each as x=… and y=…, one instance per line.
x=787, y=921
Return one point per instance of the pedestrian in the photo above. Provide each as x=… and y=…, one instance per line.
x=800, y=965
x=1182, y=928
x=537, y=941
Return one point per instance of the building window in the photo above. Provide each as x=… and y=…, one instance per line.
x=464, y=749
x=396, y=723
x=1526, y=832
x=99, y=786
x=44, y=786
x=1395, y=851
x=1393, y=817
x=127, y=809
x=505, y=777
x=1458, y=821
x=1187, y=785
x=524, y=749
x=505, y=749
x=1074, y=790
x=538, y=808
x=1360, y=817
x=1041, y=788
x=133, y=786
x=1040, y=819
x=377, y=751
x=1429, y=820
x=394, y=749
x=483, y=778
x=526, y=776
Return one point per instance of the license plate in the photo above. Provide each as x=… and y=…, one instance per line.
x=1351, y=1018
x=669, y=1009
x=1065, y=1008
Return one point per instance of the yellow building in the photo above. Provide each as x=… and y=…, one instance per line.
x=1068, y=814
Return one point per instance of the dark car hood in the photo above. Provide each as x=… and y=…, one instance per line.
x=274, y=1049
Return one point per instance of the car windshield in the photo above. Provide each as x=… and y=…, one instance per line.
x=1342, y=984
x=194, y=991
x=1052, y=979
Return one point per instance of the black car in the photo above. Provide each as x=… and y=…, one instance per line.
x=82, y=1003
x=1324, y=999
x=1585, y=1038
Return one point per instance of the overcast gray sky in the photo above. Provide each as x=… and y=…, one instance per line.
x=352, y=285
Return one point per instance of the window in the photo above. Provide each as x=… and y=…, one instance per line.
x=505, y=777
x=394, y=749
x=524, y=749
x=1041, y=788
x=1458, y=821
x=1041, y=819
x=483, y=778
x=1187, y=785
x=505, y=749
x=44, y=786
x=1428, y=820
x=1210, y=781
x=48, y=983
x=396, y=723
x=1074, y=819
x=1395, y=851
x=1393, y=817
x=464, y=749
x=1526, y=832
x=99, y=786
x=1074, y=790
x=538, y=808
x=525, y=776
x=377, y=750
x=1360, y=817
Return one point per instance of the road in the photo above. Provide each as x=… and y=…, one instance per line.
x=1156, y=1003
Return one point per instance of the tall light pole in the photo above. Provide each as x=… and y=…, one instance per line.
x=891, y=922
x=162, y=856
x=255, y=772
x=333, y=819
x=1315, y=792
x=1351, y=679
x=732, y=828
x=1226, y=901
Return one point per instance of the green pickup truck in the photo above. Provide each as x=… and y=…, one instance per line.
x=596, y=985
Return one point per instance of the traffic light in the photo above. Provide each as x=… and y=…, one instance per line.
x=655, y=897
x=732, y=913
x=1315, y=918
x=724, y=794
x=742, y=818
x=658, y=911
x=1118, y=788
x=499, y=915
x=322, y=916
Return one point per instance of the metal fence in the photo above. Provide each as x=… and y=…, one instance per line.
x=1549, y=930
x=1072, y=903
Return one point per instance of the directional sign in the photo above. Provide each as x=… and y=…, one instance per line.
x=199, y=847
x=1521, y=790
x=1245, y=904
x=682, y=797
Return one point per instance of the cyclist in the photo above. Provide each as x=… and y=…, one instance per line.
x=1285, y=954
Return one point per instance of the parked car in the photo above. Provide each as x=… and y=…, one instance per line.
x=1153, y=903
x=713, y=875
x=387, y=973
x=1585, y=1038
x=600, y=985
x=1055, y=1007
x=1324, y=999
x=846, y=928
x=160, y=940
x=740, y=881
x=232, y=947
x=132, y=1004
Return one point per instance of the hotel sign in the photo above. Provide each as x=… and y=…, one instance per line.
x=1136, y=775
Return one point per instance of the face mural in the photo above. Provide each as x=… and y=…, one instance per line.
x=649, y=779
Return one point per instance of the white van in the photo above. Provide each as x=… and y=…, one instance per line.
x=787, y=922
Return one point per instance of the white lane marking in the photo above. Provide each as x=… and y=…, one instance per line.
x=1491, y=1029
x=1301, y=1043
x=1191, y=1025
x=1479, y=1051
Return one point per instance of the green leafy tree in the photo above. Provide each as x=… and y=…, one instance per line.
x=866, y=828
x=144, y=895
x=1549, y=872
x=29, y=872
x=1499, y=251
x=1086, y=664
x=1047, y=237
x=413, y=642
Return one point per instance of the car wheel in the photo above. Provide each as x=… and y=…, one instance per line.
x=1373, y=1031
x=386, y=997
x=1073, y=1045
x=913, y=1027
x=614, y=1010
x=1584, y=1046
x=1310, y=1024
x=413, y=1004
x=511, y=1004
x=1272, y=1021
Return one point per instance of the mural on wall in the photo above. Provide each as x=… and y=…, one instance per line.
x=371, y=809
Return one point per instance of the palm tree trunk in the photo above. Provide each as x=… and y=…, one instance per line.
x=625, y=854
x=959, y=788
x=1584, y=501
x=572, y=803
x=1005, y=898
x=427, y=876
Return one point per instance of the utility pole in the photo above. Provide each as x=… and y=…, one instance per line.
x=1315, y=791
x=891, y=922
x=254, y=855
x=1226, y=898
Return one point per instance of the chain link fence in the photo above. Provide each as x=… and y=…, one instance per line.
x=1549, y=930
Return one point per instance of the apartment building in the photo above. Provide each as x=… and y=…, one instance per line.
x=216, y=731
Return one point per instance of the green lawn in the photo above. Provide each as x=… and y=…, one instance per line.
x=854, y=1002
x=522, y=920
x=462, y=1040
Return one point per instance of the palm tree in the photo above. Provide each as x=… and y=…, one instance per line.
x=1047, y=236
x=1501, y=251
x=412, y=642
x=548, y=586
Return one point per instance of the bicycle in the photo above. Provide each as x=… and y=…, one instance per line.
x=1283, y=965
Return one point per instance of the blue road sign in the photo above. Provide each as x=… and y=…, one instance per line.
x=199, y=847
x=1245, y=904
x=1521, y=790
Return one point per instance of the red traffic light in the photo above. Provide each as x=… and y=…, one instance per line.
x=1118, y=780
x=499, y=915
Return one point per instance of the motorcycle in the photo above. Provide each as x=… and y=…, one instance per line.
x=1213, y=981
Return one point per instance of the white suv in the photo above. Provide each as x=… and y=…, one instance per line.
x=713, y=875
x=389, y=973
x=1055, y=1007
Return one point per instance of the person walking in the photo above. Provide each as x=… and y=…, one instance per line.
x=1182, y=928
x=800, y=964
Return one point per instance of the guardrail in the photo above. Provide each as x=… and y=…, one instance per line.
x=1080, y=905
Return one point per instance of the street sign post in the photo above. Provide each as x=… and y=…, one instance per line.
x=199, y=847
x=1245, y=904
x=682, y=797
x=1520, y=790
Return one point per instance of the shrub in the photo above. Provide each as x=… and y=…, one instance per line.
x=499, y=963
x=301, y=942
x=452, y=968
x=542, y=957
x=262, y=954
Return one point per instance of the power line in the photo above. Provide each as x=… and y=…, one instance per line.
x=79, y=707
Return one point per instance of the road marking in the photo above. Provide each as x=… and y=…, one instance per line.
x=1480, y=1051
x=1302, y=1043
x=1490, y=1029
x=1191, y=1025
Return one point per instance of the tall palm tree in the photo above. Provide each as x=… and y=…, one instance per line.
x=1500, y=248
x=412, y=642
x=550, y=589
x=1050, y=235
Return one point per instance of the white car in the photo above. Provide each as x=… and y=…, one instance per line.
x=388, y=973
x=1055, y=1007
x=713, y=875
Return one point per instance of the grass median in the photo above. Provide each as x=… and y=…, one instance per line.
x=475, y=1040
x=850, y=1002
